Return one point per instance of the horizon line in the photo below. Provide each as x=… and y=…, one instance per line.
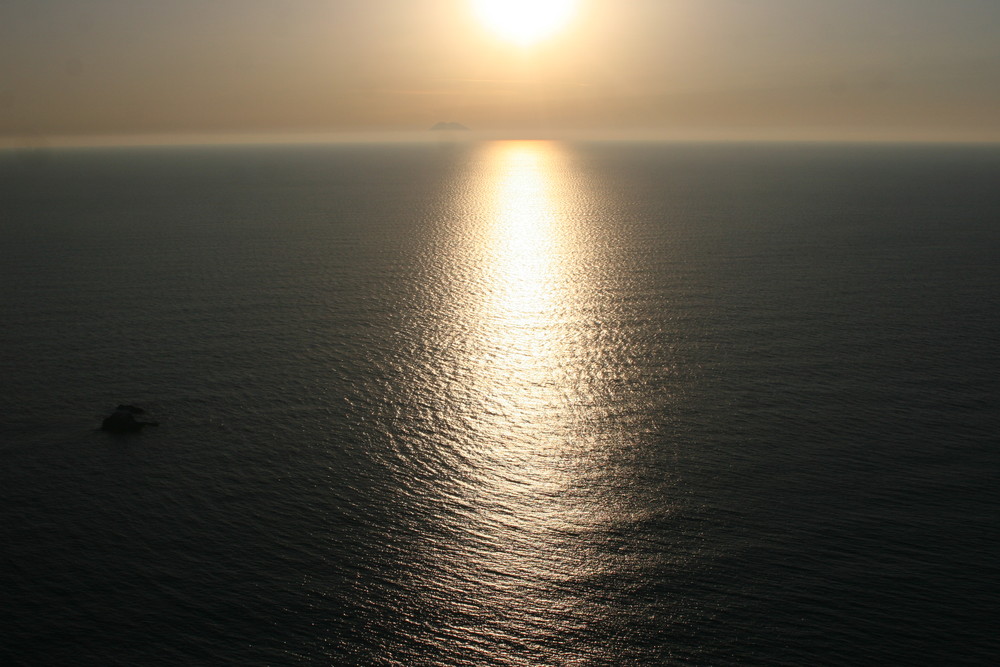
x=180, y=139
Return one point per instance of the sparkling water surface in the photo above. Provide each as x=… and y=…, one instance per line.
x=511, y=403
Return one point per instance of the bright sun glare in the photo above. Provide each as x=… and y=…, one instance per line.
x=524, y=21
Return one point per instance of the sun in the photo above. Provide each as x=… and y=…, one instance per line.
x=524, y=22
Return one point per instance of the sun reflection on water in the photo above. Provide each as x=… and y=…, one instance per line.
x=523, y=253
x=509, y=394
x=512, y=419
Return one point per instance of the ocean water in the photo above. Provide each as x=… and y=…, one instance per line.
x=512, y=403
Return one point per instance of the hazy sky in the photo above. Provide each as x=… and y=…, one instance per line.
x=882, y=69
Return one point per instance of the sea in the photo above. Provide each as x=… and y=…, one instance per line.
x=501, y=403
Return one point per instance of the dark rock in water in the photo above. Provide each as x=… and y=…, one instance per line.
x=123, y=420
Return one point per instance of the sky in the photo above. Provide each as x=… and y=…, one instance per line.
x=109, y=70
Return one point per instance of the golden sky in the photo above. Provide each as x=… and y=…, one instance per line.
x=686, y=69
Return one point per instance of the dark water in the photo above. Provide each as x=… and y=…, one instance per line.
x=501, y=404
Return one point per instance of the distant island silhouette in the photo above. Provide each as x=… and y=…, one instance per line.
x=448, y=126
